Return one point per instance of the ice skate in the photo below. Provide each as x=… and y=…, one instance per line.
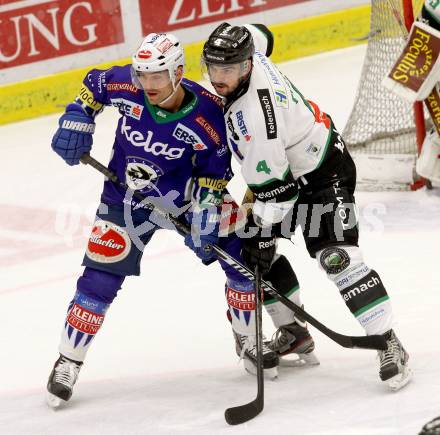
x=61, y=381
x=294, y=340
x=431, y=428
x=394, y=368
x=246, y=348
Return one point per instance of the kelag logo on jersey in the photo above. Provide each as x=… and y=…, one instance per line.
x=127, y=107
x=184, y=134
x=141, y=174
x=137, y=139
x=242, y=126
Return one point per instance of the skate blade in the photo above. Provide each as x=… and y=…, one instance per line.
x=53, y=401
x=299, y=360
x=400, y=380
x=271, y=373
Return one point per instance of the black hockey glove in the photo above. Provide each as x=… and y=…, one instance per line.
x=259, y=249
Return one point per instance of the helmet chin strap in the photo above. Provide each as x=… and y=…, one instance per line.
x=175, y=87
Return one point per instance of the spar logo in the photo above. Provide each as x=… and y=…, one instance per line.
x=108, y=243
x=186, y=135
x=242, y=126
x=84, y=320
x=244, y=301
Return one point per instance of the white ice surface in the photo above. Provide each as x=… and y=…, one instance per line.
x=164, y=361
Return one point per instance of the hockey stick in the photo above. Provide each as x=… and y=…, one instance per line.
x=376, y=342
x=243, y=413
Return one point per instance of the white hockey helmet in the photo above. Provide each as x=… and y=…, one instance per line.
x=159, y=52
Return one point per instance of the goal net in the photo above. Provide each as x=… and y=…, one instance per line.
x=381, y=130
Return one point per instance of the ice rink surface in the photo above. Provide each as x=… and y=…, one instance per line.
x=164, y=361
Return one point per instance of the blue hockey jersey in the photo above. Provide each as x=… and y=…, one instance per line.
x=155, y=151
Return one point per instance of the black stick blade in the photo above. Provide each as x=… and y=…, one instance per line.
x=243, y=413
x=375, y=342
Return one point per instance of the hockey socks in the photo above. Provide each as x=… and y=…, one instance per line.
x=84, y=319
x=360, y=287
x=283, y=278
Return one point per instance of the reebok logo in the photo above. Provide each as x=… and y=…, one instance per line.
x=266, y=245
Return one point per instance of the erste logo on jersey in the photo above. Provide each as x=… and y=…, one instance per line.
x=127, y=107
x=242, y=126
x=108, y=243
x=137, y=139
x=141, y=174
x=186, y=135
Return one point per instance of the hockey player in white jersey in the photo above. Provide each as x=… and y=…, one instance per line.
x=189, y=149
x=300, y=172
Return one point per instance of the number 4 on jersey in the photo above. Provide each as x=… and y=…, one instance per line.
x=262, y=167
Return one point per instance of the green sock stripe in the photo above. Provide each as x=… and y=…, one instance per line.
x=371, y=305
x=290, y=292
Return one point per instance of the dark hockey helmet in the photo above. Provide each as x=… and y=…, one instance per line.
x=228, y=44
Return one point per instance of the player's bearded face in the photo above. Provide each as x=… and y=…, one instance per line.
x=226, y=78
x=157, y=85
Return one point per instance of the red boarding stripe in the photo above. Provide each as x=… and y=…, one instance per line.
x=71, y=26
x=174, y=14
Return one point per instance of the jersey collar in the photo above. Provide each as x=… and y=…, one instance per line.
x=162, y=116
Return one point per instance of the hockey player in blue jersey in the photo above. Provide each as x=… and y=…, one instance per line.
x=170, y=145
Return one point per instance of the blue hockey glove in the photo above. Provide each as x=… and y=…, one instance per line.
x=74, y=136
x=204, y=233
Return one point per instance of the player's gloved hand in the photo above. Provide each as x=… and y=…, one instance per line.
x=74, y=136
x=260, y=249
x=204, y=233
